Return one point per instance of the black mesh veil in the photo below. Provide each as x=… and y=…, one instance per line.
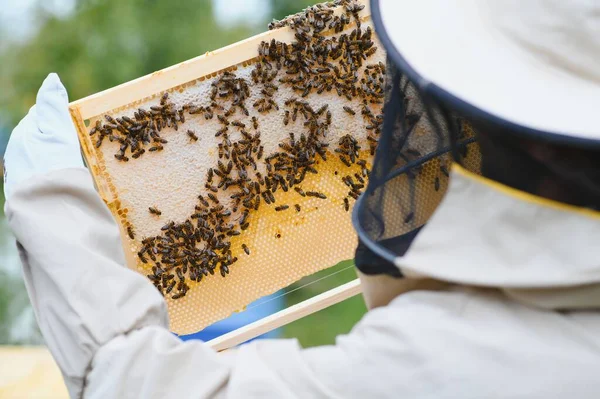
x=409, y=176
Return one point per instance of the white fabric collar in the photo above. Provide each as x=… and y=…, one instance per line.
x=487, y=234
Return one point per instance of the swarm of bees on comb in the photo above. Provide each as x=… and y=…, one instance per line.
x=245, y=176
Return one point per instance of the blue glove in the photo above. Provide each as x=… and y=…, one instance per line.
x=45, y=140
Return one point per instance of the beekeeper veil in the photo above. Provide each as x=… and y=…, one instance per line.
x=455, y=70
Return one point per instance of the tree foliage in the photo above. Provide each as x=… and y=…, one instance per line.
x=282, y=8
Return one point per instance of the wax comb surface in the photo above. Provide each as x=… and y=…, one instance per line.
x=239, y=182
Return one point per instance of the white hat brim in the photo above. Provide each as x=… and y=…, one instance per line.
x=446, y=45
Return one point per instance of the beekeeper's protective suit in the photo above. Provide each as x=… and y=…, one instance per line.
x=514, y=312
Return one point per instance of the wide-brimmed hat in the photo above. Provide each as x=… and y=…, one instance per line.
x=534, y=65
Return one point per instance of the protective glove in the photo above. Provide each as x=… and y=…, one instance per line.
x=45, y=140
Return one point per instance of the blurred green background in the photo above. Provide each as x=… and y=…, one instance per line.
x=97, y=44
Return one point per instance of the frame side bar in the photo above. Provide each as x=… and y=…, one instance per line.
x=90, y=156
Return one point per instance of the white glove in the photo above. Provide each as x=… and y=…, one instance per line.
x=45, y=140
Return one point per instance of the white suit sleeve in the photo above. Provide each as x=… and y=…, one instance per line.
x=73, y=261
x=107, y=327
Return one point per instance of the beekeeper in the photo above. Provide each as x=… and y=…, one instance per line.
x=497, y=296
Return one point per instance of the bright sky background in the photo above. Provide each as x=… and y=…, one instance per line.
x=17, y=21
x=230, y=12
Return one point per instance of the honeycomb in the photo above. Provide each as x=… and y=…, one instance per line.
x=276, y=247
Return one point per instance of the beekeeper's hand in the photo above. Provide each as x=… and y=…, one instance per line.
x=45, y=140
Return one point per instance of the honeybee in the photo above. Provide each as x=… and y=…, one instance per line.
x=224, y=270
x=142, y=258
x=213, y=198
x=300, y=191
x=246, y=249
x=344, y=160
x=130, y=232
x=203, y=201
x=138, y=153
x=168, y=226
x=163, y=99
x=155, y=211
x=349, y=110
x=316, y=194
x=286, y=117
x=192, y=135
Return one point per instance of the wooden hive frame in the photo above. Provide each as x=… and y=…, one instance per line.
x=177, y=77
